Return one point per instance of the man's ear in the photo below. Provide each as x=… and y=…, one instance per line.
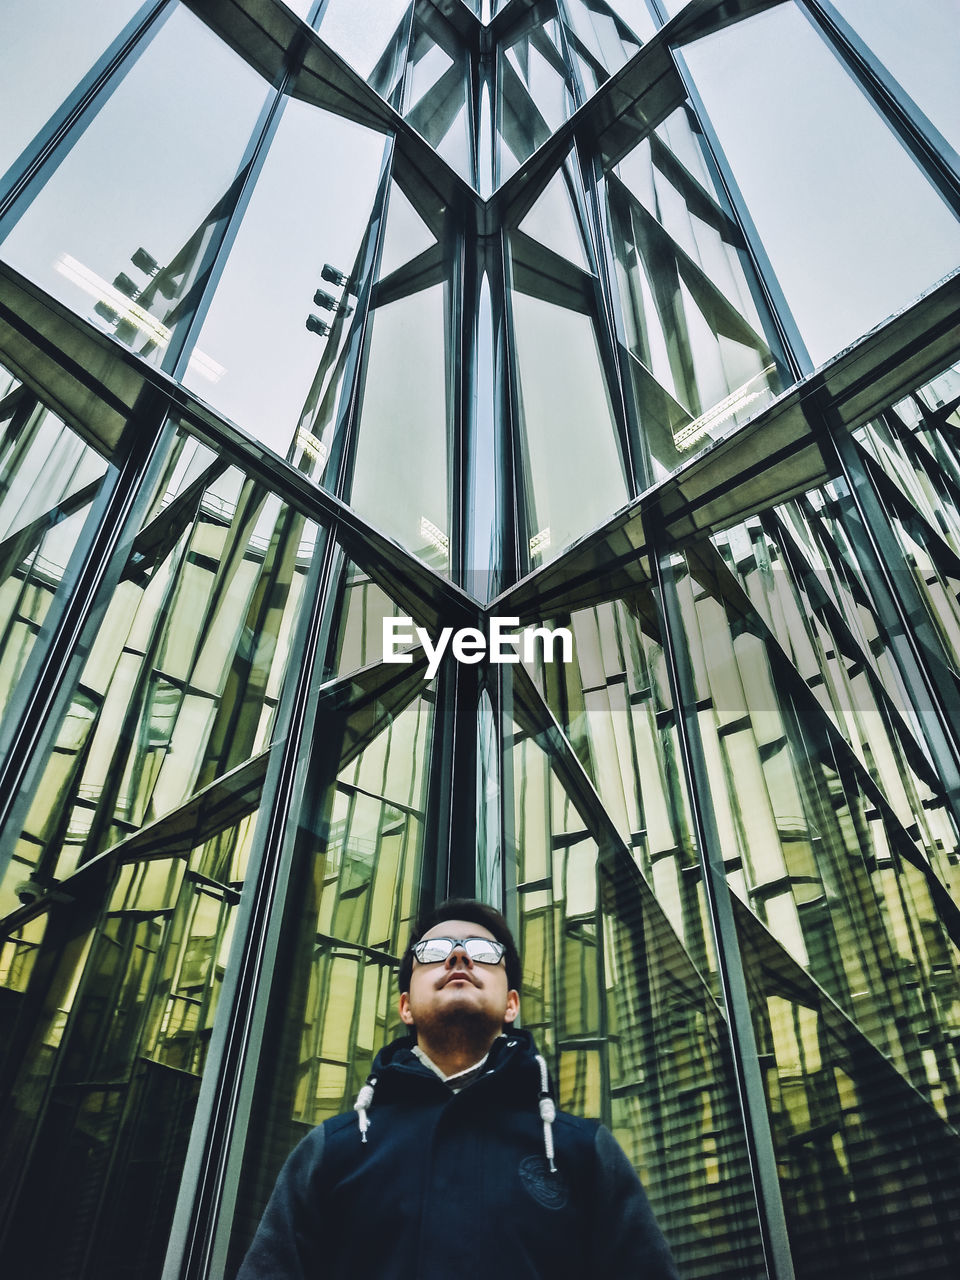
x=404, y=1007
x=513, y=1005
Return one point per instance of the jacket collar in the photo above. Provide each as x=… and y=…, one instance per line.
x=512, y=1057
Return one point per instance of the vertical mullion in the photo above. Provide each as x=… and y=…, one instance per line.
x=485, y=70
x=611, y=334
x=503, y=718
x=343, y=443
x=516, y=541
x=450, y=827
x=468, y=412
x=459, y=339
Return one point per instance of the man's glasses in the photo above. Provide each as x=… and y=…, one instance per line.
x=480, y=950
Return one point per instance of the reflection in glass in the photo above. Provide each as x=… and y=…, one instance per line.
x=360, y=855
x=437, y=94
x=99, y=1116
x=363, y=606
x=183, y=677
x=615, y=706
x=400, y=468
x=536, y=91
x=796, y=566
x=835, y=163
x=636, y=14
x=868, y=1167
x=832, y=886
x=48, y=481
x=47, y=47
x=118, y=233
x=573, y=475
x=18, y=954
x=702, y=362
x=300, y=217
x=912, y=458
x=631, y=1031
x=599, y=40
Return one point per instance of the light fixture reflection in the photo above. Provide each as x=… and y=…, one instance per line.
x=436, y=537
x=108, y=296
x=540, y=541
x=311, y=445
x=720, y=412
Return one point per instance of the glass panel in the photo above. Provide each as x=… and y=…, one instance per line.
x=118, y=233
x=536, y=94
x=363, y=606
x=833, y=887
x=944, y=388
x=48, y=480
x=573, y=477
x=912, y=458
x=794, y=566
x=599, y=40
x=400, y=468
x=350, y=912
x=703, y=352
x=100, y=1113
x=636, y=14
x=437, y=91
x=18, y=954
x=868, y=1166
x=46, y=49
x=405, y=236
x=301, y=219
x=184, y=674
x=365, y=33
x=553, y=221
x=917, y=43
x=632, y=1032
x=614, y=703
x=843, y=269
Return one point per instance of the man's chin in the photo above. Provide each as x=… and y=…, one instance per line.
x=461, y=1010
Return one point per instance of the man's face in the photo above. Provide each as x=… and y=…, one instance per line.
x=458, y=990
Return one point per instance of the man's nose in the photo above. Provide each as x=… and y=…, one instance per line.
x=459, y=957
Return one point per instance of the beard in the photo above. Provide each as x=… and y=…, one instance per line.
x=458, y=1026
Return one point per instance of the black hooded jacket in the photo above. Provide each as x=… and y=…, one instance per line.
x=457, y=1186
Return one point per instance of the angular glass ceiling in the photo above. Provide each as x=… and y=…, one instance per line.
x=484, y=101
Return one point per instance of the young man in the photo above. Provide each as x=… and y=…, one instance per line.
x=455, y=1164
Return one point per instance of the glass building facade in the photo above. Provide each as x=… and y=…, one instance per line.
x=632, y=317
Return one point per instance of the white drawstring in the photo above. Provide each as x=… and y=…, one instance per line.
x=363, y=1102
x=548, y=1113
x=548, y=1110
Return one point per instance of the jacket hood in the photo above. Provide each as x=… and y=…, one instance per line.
x=513, y=1056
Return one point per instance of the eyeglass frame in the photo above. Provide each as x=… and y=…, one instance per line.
x=460, y=942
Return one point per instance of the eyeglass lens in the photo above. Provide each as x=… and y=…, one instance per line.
x=480, y=950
